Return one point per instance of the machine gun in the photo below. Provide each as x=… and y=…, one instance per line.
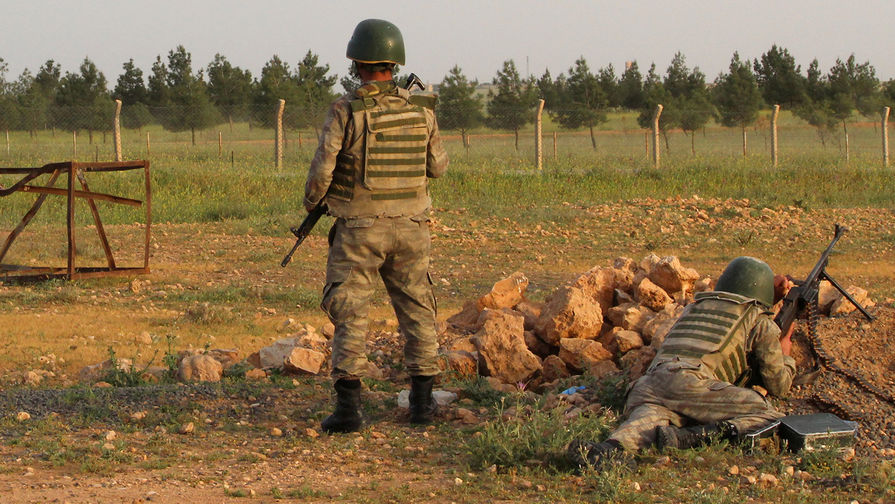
x=803, y=299
x=304, y=229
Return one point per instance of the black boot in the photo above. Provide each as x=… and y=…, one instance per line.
x=422, y=405
x=346, y=417
x=594, y=455
x=669, y=436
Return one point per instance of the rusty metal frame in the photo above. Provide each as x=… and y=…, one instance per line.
x=73, y=170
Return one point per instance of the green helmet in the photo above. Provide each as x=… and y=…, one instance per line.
x=376, y=41
x=750, y=277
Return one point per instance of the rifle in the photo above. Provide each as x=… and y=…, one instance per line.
x=304, y=229
x=803, y=298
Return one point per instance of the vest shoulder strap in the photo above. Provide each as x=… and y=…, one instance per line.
x=427, y=101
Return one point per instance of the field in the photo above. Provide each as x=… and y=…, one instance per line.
x=221, y=227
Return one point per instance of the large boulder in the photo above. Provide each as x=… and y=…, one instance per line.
x=628, y=340
x=826, y=296
x=670, y=275
x=226, y=356
x=580, y=354
x=599, y=284
x=465, y=319
x=462, y=362
x=569, y=313
x=304, y=360
x=506, y=293
x=531, y=311
x=554, y=368
x=636, y=362
x=95, y=372
x=843, y=306
x=501, y=346
x=200, y=367
x=631, y=316
x=652, y=296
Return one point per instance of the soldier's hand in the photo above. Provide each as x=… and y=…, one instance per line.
x=782, y=284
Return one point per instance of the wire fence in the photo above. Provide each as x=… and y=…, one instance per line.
x=248, y=134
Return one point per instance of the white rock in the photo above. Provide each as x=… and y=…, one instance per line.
x=442, y=397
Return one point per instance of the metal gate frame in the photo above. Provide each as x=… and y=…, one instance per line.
x=73, y=170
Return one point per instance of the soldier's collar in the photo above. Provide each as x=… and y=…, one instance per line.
x=374, y=88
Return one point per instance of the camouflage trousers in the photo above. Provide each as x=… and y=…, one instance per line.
x=684, y=397
x=397, y=250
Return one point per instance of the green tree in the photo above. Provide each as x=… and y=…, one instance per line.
x=548, y=90
x=132, y=92
x=158, y=94
x=83, y=100
x=191, y=108
x=853, y=86
x=458, y=106
x=737, y=97
x=276, y=83
x=229, y=87
x=655, y=94
x=888, y=91
x=630, y=88
x=583, y=100
x=9, y=114
x=609, y=84
x=816, y=108
x=691, y=107
x=314, y=93
x=779, y=79
x=511, y=106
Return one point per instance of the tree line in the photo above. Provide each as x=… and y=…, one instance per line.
x=183, y=98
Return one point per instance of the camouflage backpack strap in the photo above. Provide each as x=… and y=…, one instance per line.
x=427, y=101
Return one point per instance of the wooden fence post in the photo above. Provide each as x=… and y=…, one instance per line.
x=656, y=155
x=74, y=144
x=554, y=145
x=539, y=142
x=885, y=129
x=7, y=143
x=148, y=150
x=278, y=143
x=116, y=132
x=220, y=144
x=774, y=115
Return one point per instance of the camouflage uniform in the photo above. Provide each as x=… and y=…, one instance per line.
x=720, y=339
x=377, y=149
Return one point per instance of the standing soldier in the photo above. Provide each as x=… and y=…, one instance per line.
x=377, y=148
x=694, y=388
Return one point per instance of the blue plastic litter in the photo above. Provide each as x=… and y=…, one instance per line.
x=572, y=390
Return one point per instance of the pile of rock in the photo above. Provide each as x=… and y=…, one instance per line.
x=608, y=320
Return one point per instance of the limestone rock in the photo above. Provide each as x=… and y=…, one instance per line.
x=462, y=362
x=649, y=262
x=466, y=319
x=843, y=306
x=636, y=362
x=580, y=353
x=144, y=338
x=328, y=330
x=506, y=293
x=569, y=313
x=304, y=360
x=537, y=345
x=201, y=367
x=705, y=284
x=154, y=374
x=464, y=343
x=226, y=356
x=826, y=296
x=31, y=378
x=275, y=355
x=655, y=330
x=652, y=296
x=599, y=285
x=256, y=374
x=553, y=368
x=95, y=372
x=628, y=340
x=669, y=274
x=501, y=346
x=602, y=369
x=631, y=317
x=531, y=311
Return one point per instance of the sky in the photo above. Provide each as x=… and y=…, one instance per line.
x=476, y=35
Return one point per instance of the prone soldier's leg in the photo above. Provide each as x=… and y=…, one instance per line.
x=707, y=401
x=639, y=430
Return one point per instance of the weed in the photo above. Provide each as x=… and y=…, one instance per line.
x=305, y=492
x=478, y=389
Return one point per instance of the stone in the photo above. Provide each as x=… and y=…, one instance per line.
x=31, y=378
x=144, y=338
x=843, y=306
x=23, y=416
x=636, y=362
x=466, y=319
x=602, y=369
x=187, y=428
x=462, y=362
x=311, y=433
x=569, y=313
x=444, y=397
x=631, y=317
x=328, y=330
x=95, y=372
x=274, y=355
x=537, y=346
x=285, y=325
x=599, y=285
x=154, y=374
x=826, y=296
x=463, y=343
x=226, y=356
x=622, y=297
x=254, y=359
x=276, y=432
x=501, y=386
x=579, y=354
x=628, y=340
x=466, y=417
x=553, y=368
x=652, y=296
x=649, y=262
x=201, y=367
x=670, y=275
x=506, y=293
x=501, y=346
x=767, y=479
x=704, y=284
x=310, y=338
x=304, y=360
x=256, y=374
x=654, y=331
x=531, y=311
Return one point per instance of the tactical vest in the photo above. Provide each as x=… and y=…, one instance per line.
x=390, y=178
x=712, y=332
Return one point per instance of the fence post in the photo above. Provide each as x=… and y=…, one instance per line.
x=148, y=150
x=220, y=144
x=74, y=144
x=656, y=115
x=554, y=145
x=278, y=143
x=774, y=115
x=117, y=130
x=885, y=129
x=539, y=142
x=7, y=143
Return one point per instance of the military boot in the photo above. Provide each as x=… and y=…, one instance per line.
x=669, y=436
x=347, y=416
x=594, y=455
x=422, y=405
